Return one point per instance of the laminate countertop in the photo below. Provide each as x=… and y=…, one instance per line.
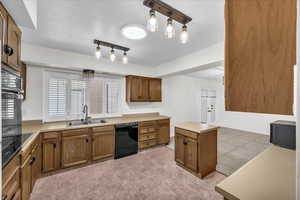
x=269, y=176
x=37, y=127
x=196, y=127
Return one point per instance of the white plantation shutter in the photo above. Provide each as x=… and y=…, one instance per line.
x=57, y=92
x=96, y=95
x=113, y=96
x=77, y=98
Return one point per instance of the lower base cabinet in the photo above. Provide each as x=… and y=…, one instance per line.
x=51, y=155
x=26, y=178
x=75, y=147
x=103, y=142
x=163, y=131
x=196, y=152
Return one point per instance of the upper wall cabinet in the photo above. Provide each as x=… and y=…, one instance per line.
x=10, y=39
x=3, y=30
x=143, y=89
x=260, y=52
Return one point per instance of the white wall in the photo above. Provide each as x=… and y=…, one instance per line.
x=252, y=122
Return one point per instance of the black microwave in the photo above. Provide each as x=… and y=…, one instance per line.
x=283, y=134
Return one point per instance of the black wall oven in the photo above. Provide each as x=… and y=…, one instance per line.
x=12, y=96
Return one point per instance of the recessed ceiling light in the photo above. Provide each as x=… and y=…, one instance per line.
x=134, y=32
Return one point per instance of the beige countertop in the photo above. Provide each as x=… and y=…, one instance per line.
x=197, y=127
x=36, y=127
x=269, y=176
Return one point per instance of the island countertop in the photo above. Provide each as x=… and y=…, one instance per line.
x=269, y=176
x=196, y=127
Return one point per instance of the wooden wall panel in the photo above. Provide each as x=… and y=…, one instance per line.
x=260, y=52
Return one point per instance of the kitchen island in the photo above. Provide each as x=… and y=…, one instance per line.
x=269, y=176
x=196, y=147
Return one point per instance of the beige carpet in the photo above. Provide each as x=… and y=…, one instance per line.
x=149, y=175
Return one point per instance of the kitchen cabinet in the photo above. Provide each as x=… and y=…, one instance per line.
x=3, y=30
x=147, y=134
x=13, y=46
x=137, y=88
x=51, y=151
x=75, y=147
x=155, y=89
x=143, y=89
x=163, y=132
x=23, y=73
x=36, y=164
x=26, y=178
x=186, y=151
x=196, y=152
x=31, y=167
x=11, y=187
x=260, y=53
x=103, y=142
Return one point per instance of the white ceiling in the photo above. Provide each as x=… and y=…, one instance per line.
x=215, y=73
x=73, y=24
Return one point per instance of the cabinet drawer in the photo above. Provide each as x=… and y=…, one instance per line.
x=147, y=144
x=164, y=121
x=10, y=170
x=145, y=130
x=186, y=133
x=147, y=123
x=103, y=128
x=149, y=136
x=12, y=187
x=75, y=132
x=50, y=135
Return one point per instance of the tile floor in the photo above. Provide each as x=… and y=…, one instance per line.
x=149, y=175
x=235, y=148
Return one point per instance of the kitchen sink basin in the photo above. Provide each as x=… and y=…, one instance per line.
x=94, y=121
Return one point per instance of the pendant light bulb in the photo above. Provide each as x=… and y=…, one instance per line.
x=98, y=52
x=125, y=58
x=112, y=55
x=184, y=36
x=170, y=30
x=152, y=22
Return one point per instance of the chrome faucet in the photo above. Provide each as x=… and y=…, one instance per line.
x=86, y=112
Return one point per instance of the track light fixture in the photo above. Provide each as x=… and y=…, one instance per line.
x=170, y=29
x=112, y=55
x=152, y=22
x=184, y=36
x=125, y=58
x=98, y=52
x=172, y=14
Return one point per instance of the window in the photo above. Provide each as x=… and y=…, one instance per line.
x=67, y=93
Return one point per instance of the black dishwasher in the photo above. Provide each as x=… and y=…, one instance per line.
x=126, y=139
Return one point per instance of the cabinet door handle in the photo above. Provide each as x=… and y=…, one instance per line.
x=87, y=140
x=8, y=50
x=54, y=145
x=185, y=143
x=32, y=161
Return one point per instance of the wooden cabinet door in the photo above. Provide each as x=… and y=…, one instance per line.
x=103, y=145
x=75, y=150
x=14, y=42
x=144, y=89
x=135, y=89
x=179, y=148
x=51, y=155
x=3, y=30
x=26, y=178
x=191, y=149
x=155, y=89
x=36, y=168
x=163, y=131
x=260, y=54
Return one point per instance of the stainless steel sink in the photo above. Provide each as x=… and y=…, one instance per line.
x=93, y=121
